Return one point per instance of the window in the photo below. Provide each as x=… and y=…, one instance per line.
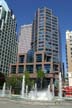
x=38, y=57
x=21, y=59
x=46, y=68
x=55, y=67
x=38, y=66
x=20, y=69
x=29, y=68
x=47, y=58
x=13, y=69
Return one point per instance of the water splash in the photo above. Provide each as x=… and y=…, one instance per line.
x=41, y=95
x=26, y=90
x=23, y=86
x=3, y=90
x=60, y=85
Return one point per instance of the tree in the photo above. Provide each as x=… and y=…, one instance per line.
x=15, y=82
x=27, y=78
x=40, y=75
x=11, y=81
x=28, y=81
x=2, y=79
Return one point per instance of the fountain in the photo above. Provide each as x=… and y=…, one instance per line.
x=53, y=90
x=3, y=90
x=26, y=90
x=35, y=90
x=10, y=91
x=41, y=95
x=23, y=87
x=60, y=86
x=45, y=95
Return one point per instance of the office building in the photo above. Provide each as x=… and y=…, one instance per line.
x=46, y=36
x=25, y=34
x=69, y=50
x=69, y=55
x=45, y=50
x=8, y=41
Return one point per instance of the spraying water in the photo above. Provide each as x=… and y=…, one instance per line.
x=35, y=90
x=23, y=86
x=41, y=95
x=26, y=90
x=60, y=86
x=53, y=90
x=3, y=90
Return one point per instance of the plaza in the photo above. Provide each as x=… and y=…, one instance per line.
x=7, y=103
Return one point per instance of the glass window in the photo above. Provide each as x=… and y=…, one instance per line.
x=40, y=49
x=13, y=69
x=29, y=68
x=38, y=57
x=47, y=58
x=42, y=10
x=20, y=69
x=47, y=68
x=55, y=67
x=38, y=66
x=21, y=59
x=29, y=59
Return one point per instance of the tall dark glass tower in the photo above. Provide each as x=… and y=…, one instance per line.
x=45, y=34
x=8, y=41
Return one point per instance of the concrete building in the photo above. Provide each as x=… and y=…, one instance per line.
x=69, y=55
x=8, y=41
x=45, y=50
x=69, y=50
x=25, y=38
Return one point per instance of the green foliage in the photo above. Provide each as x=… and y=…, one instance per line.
x=32, y=83
x=40, y=74
x=15, y=82
x=27, y=78
x=11, y=81
x=28, y=81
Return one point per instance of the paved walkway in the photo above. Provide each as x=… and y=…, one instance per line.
x=5, y=103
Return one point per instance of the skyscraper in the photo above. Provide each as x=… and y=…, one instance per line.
x=25, y=34
x=69, y=55
x=69, y=50
x=8, y=41
x=45, y=35
x=45, y=50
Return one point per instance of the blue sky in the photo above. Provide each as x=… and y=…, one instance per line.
x=24, y=11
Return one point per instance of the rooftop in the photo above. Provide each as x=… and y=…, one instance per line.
x=4, y=5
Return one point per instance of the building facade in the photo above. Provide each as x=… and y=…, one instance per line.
x=45, y=50
x=69, y=50
x=25, y=34
x=8, y=41
x=46, y=36
x=69, y=55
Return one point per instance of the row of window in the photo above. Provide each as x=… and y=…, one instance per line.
x=30, y=59
x=30, y=68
